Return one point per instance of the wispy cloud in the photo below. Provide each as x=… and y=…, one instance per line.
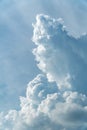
x=15, y=53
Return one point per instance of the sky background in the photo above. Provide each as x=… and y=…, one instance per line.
x=59, y=54
x=17, y=63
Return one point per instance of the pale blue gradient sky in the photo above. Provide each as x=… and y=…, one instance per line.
x=17, y=64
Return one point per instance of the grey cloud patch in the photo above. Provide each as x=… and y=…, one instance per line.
x=56, y=99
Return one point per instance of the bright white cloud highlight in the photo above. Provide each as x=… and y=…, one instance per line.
x=56, y=99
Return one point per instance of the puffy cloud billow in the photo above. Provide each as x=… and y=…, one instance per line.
x=57, y=98
x=61, y=56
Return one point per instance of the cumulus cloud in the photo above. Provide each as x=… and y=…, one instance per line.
x=55, y=99
x=61, y=56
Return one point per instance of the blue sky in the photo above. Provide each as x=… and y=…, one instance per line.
x=17, y=62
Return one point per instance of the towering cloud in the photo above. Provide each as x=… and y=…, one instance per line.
x=61, y=56
x=57, y=98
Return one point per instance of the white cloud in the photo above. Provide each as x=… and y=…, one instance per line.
x=61, y=56
x=55, y=100
x=45, y=107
